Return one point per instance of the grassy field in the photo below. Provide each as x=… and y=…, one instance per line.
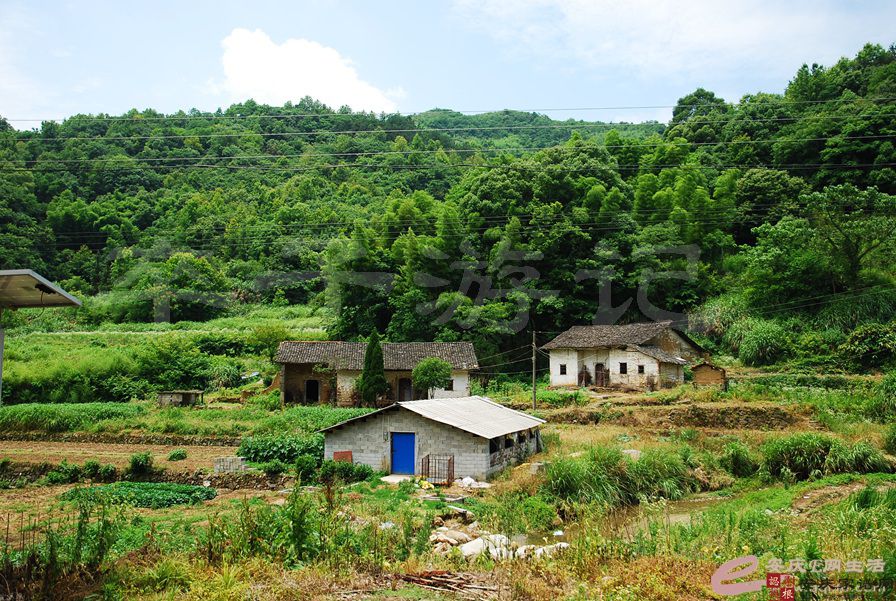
x=655, y=528
x=778, y=466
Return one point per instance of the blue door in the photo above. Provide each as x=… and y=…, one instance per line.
x=403, y=453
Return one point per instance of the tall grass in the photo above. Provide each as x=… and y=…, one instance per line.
x=607, y=477
x=810, y=455
x=64, y=417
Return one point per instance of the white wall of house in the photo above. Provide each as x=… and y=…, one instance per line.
x=632, y=361
x=567, y=359
x=653, y=372
x=460, y=388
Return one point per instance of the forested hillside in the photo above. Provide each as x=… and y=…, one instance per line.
x=769, y=221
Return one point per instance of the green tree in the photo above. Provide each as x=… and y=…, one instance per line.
x=431, y=373
x=372, y=382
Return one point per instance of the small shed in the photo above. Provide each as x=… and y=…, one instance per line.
x=439, y=439
x=707, y=374
x=25, y=289
x=180, y=398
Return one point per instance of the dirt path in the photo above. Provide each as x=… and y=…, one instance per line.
x=116, y=454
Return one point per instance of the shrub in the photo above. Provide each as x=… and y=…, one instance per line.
x=65, y=473
x=343, y=471
x=91, y=468
x=871, y=345
x=273, y=468
x=286, y=448
x=140, y=466
x=431, y=373
x=306, y=467
x=177, y=455
x=107, y=473
x=737, y=460
x=153, y=495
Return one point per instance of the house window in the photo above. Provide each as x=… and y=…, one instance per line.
x=640, y=369
x=623, y=368
x=563, y=369
x=450, y=386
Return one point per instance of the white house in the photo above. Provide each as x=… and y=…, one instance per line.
x=639, y=355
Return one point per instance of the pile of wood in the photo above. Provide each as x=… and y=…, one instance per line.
x=465, y=585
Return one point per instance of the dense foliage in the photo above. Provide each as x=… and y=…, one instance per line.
x=770, y=219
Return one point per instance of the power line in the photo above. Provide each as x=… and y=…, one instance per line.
x=560, y=126
x=141, y=117
x=449, y=151
x=445, y=166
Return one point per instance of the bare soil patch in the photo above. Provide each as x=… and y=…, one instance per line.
x=198, y=457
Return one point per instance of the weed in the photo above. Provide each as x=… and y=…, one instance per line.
x=140, y=466
x=177, y=455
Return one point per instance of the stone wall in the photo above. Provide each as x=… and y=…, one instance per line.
x=369, y=441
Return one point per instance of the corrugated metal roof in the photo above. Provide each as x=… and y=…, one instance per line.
x=396, y=355
x=474, y=414
x=22, y=288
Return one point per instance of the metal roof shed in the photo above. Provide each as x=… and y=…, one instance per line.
x=25, y=289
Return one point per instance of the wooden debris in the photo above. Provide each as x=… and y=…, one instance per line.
x=451, y=582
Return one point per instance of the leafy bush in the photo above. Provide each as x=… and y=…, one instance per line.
x=343, y=471
x=91, y=468
x=306, y=467
x=65, y=473
x=808, y=455
x=140, y=466
x=737, y=460
x=177, y=455
x=153, y=495
x=273, y=468
x=107, y=473
x=871, y=345
x=286, y=448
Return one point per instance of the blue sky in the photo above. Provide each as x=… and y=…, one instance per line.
x=59, y=58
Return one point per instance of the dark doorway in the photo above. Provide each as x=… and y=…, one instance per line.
x=405, y=390
x=601, y=376
x=312, y=391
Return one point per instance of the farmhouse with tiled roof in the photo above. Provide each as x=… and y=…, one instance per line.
x=326, y=371
x=638, y=355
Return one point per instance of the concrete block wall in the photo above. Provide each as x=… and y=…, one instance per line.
x=370, y=443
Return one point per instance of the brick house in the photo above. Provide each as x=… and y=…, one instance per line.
x=471, y=436
x=639, y=355
x=326, y=371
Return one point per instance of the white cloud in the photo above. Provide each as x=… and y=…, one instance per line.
x=256, y=67
x=669, y=38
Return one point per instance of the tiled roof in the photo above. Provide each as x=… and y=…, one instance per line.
x=474, y=414
x=583, y=337
x=659, y=354
x=396, y=355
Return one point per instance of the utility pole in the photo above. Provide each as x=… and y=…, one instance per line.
x=533, y=367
